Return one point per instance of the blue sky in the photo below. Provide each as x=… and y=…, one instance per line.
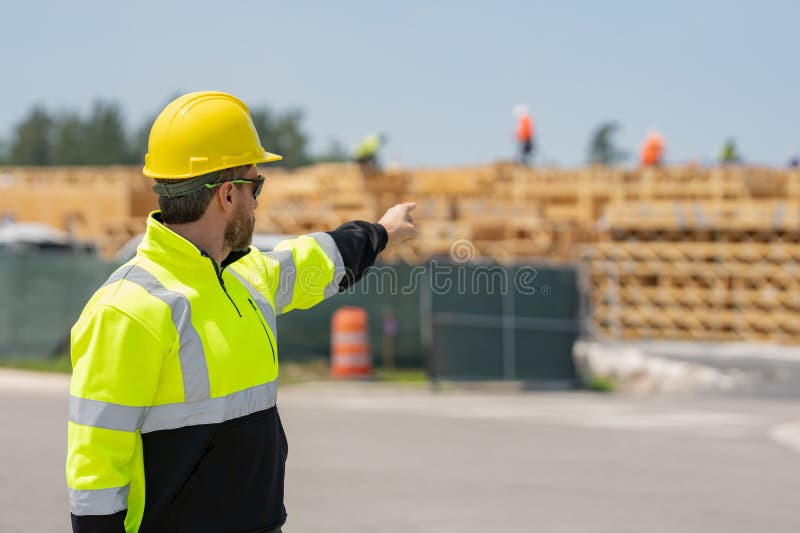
x=441, y=78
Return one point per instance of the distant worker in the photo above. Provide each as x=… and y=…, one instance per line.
x=729, y=154
x=173, y=418
x=794, y=160
x=524, y=133
x=652, y=150
x=366, y=153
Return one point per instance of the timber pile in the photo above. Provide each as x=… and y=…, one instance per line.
x=107, y=205
x=507, y=212
x=723, y=271
x=677, y=252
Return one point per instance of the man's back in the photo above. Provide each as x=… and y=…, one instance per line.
x=176, y=369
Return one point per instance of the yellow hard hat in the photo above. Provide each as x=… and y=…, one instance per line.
x=203, y=132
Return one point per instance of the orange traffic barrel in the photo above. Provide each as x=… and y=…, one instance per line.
x=350, y=351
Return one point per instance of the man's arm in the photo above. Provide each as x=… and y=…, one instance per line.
x=116, y=366
x=302, y=272
x=112, y=523
x=359, y=242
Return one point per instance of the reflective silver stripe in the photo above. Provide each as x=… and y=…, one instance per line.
x=288, y=276
x=175, y=415
x=326, y=242
x=348, y=360
x=192, y=356
x=213, y=410
x=349, y=338
x=117, y=275
x=261, y=302
x=105, y=415
x=102, y=501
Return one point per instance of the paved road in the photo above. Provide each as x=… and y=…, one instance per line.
x=373, y=459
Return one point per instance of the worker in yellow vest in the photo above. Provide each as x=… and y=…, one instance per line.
x=366, y=153
x=173, y=423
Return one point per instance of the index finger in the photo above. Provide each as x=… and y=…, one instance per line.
x=410, y=206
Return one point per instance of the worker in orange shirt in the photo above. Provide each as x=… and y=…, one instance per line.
x=524, y=133
x=652, y=149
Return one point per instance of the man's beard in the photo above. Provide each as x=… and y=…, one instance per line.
x=239, y=232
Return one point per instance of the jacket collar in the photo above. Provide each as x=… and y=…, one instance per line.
x=164, y=246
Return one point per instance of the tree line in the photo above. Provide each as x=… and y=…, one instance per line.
x=101, y=137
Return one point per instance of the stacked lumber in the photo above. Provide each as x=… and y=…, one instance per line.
x=106, y=205
x=320, y=197
x=507, y=212
x=727, y=270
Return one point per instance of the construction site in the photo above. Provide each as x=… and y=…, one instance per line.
x=676, y=279
x=431, y=267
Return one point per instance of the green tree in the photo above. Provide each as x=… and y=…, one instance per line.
x=334, y=153
x=69, y=142
x=3, y=152
x=104, y=138
x=282, y=134
x=100, y=138
x=32, y=143
x=602, y=148
x=137, y=145
x=138, y=142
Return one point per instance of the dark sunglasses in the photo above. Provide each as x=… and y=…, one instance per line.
x=259, y=184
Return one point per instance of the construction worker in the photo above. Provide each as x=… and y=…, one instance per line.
x=729, y=155
x=524, y=133
x=173, y=423
x=366, y=153
x=652, y=150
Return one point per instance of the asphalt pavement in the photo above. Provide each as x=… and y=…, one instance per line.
x=374, y=458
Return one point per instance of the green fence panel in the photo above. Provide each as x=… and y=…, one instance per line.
x=41, y=297
x=463, y=307
x=516, y=322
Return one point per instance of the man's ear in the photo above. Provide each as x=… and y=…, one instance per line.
x=224, y=196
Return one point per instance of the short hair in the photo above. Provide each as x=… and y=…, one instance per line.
x=189, y=208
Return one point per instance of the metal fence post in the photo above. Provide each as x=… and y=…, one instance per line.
x=509, y=348
x=426, y=326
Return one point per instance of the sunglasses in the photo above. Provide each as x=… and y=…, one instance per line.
x=259, y=184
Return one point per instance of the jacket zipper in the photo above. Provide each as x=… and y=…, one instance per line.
x=222, y=283
x=271, y=347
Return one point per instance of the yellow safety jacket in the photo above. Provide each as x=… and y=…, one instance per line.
x=368, y=147
x=171, y=353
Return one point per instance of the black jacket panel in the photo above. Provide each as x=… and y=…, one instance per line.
x=359, y=244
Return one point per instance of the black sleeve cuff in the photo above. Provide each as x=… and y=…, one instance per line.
x=359, y=244
x=112, y=523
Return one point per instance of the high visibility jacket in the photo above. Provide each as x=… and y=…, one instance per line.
x=524, y=128
x=173, y=424
x=652, y=150
x=368, y=147
x=728, y=153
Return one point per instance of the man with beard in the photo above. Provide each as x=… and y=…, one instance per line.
x=173, y=422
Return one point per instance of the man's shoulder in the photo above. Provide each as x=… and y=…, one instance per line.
x=128, y=290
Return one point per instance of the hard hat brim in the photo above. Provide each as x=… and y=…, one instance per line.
x=267, y=157
x=270, y=157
